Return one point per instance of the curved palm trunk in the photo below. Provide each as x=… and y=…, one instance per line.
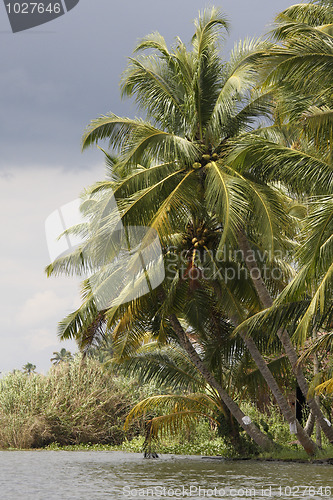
x=267, y=301
x=307, y=443
x=261, y=439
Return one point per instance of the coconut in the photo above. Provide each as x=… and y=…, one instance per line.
x=196, y=165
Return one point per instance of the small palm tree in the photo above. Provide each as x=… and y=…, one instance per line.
x=63, y=356
x=190, y=398
x=29, y=368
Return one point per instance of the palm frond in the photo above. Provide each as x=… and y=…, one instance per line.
x=168, y=366
x=323, y=344
x=153, y=82
x=225, y=197
x=178, y=408
x=325, y=387
x=318, y=124
x=303, y=172
x=138, y=140
x=239, y=79
x=290, y=65
x=313, y=14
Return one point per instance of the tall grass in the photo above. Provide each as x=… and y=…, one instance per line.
x=74, y=403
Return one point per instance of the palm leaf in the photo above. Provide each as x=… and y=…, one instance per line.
x=138, y=140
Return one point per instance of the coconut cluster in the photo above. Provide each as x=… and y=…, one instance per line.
x=205, y=161
x=197, y=238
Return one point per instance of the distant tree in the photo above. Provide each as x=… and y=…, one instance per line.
x=29, y=368
x=62, y=356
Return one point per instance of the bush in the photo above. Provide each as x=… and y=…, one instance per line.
x=74, y=403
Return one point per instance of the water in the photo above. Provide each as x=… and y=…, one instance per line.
x=61, y=475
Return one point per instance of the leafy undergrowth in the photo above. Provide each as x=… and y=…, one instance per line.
x=215, y=447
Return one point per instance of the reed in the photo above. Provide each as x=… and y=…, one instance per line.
x=74, y=403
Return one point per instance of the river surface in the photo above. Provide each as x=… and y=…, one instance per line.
x=62, y=475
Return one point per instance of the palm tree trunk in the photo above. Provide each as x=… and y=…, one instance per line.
x=267, y=301
x=303, y=385
x=316, y=368
x=304, y=439
x=310, y=424
x=261, y=439
x=307, y=443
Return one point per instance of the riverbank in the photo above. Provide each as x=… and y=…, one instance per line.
x=78, y=407
x=284, y=455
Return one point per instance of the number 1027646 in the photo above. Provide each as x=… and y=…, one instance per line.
x=305, y=491
x=33, y=8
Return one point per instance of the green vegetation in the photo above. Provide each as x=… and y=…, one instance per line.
x=81, y=406
x=62, y=356
x=29, y=368
x=75, y=403
x=232, y=167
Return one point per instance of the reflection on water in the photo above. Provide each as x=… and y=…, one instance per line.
x=48, y=475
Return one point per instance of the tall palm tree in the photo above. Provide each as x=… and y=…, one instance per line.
x=303, y=165
x=197, y=115
x=196, y=105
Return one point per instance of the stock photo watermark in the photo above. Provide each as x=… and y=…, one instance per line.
x=125, y=263
x=195, y=491
x=26, y=15
x=122, y=264
x=223, y=264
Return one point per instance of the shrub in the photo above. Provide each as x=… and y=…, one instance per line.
x=74, y=403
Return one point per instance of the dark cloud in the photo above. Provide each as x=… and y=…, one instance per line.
x=54, y=79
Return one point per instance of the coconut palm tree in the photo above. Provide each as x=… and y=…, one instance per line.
x=170, y=366
x=199, y=149
x=196, y=105
x=305, y=165
x=29, y=368
x=63, y=356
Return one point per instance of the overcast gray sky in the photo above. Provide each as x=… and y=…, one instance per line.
x=53, y=80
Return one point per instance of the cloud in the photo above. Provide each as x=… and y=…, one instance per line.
x=41, y=307
x=31, y=305
x=51, y=85
x=40, y=339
